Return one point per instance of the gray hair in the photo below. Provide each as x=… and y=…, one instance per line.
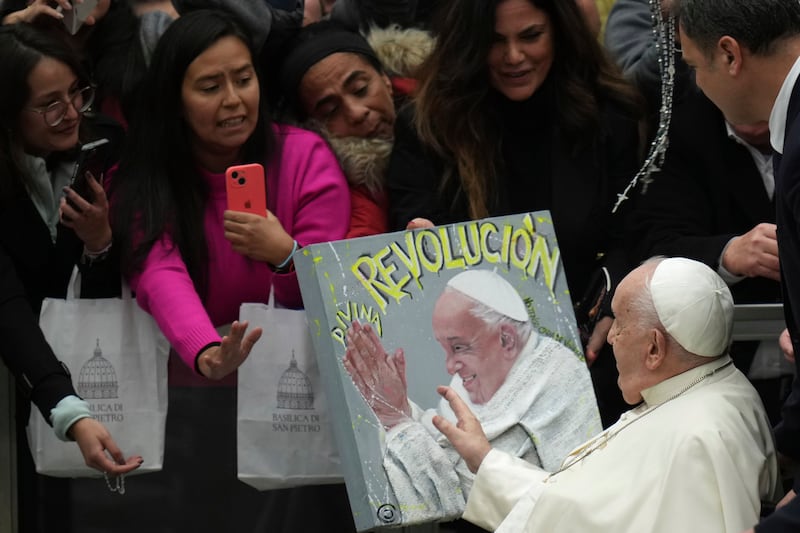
x=757, y=24
x=495, y=319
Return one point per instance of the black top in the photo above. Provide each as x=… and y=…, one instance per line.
x=33, y=267
x=708, y=191
x=539, y=170
x=787, y=201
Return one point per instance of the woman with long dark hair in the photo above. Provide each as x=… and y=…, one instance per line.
x=518, y=109
x=192, y=262
x=43, y=98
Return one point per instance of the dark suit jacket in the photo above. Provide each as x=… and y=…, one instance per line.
x=787, y=200
x=787, y=196
x=708, y=191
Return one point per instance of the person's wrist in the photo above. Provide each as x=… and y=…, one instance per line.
x=287, y=264
x=401, y=415
x=202, y=362
x=99, y=245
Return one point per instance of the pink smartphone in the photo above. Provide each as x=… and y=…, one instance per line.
x=246, y=189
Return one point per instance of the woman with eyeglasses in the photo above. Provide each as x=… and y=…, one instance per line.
x=43, y=96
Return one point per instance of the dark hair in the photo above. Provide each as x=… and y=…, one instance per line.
x=306, y=47
x=157, y=189
x=756, y=24
x=117, y=58
x=454, y=114
x=21, y=48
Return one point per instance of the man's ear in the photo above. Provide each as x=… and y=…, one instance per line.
x=656, y=349
x=509, y=341
x=730, y=51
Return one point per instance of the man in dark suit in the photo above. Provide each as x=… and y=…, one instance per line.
x=712, y=202
x=746, y=57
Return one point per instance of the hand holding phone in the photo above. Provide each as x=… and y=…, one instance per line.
x=75, y=17
x=246, y=189
x=90, y=159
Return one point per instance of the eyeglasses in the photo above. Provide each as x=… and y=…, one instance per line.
x=54, y=113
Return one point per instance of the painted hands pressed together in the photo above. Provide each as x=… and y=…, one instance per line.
x=380, y=377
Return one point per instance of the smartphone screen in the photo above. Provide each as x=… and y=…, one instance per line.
x=246, y=189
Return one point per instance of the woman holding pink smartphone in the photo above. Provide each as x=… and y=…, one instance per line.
x=192, y=262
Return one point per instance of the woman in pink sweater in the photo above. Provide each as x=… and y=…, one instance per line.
x=192, y=263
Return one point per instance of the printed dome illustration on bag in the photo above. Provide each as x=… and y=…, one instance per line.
x=294, y=389
x=97, y=379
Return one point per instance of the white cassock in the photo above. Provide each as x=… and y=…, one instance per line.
x=545, y=407
x=699, y=462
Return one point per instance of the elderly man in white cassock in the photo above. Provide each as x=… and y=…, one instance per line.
x=696, y=454
x=533, y=395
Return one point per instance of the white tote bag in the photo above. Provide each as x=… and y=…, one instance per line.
x=117, y=357
x=284, y=438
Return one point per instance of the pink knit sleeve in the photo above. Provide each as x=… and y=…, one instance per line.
x=165, y=290
x=314, y=200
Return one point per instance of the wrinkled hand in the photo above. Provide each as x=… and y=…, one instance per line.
x=259, y=238
x=754, y=254
x=467, y=436
x=89, y=220
x=785, y=342
x=379, y=377
x=94, y=440
x=219, y=361
x=598, y=339
x=419, y=223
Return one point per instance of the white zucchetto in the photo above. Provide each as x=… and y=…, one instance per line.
x=492, y=290
x=694, y=305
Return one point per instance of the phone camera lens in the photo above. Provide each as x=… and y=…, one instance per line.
x=234, y=174
x=242, y=181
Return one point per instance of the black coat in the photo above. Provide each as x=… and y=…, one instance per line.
x=787, y=200
x=708, y=192
x=32, y=267
x=787, y=195
x=539, y=171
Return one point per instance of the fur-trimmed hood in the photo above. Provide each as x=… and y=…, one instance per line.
x=364, y=161
x=400, y=50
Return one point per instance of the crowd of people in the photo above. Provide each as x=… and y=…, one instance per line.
x=372, y=116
